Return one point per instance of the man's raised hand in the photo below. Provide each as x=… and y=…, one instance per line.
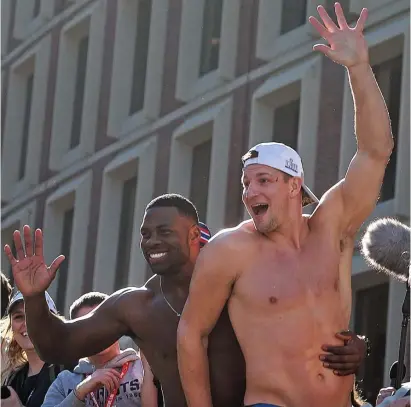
x=347, y=46
x=31, y=274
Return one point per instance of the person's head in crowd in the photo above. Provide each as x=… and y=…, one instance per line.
x=86, y=303
x=24, y=373
x=83, y=306
x=171, y=234
x=6, y=290
x=15, y=340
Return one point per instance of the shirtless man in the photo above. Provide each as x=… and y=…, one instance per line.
x=150, y=314
x=287, y=277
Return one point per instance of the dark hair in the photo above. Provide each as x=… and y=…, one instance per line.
x=87, y=300
x=183, y=205
x=6, y=290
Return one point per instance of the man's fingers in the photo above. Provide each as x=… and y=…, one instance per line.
x=115, y=372
x=351, y=367
x=319, y=27
x=38, y=242
x=345, y=372
x=328, y=22
x=9, y=254
x=18, y=244
x=361, y=20
x=340, y=358
x=345, y=335
x=112, y=380
x=342, y=22
x=108, y=383
x=339, y=350
x=347, y=338
x=54, y=266
x=28, y=242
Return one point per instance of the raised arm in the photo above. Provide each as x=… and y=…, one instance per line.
x=354, y=198
x=55, y=340
x=210, y=289
x=68, y=341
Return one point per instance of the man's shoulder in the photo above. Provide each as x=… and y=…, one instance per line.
x=243, y=232
x=132, y=296
x=234, y=241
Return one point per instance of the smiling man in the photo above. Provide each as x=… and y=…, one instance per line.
x=287, y=276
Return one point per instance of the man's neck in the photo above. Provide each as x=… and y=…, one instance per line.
x=178, y=283
x=100, y=361
x=35, y=363
x=292, y=232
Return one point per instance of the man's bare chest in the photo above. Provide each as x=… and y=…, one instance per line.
x=279, y=280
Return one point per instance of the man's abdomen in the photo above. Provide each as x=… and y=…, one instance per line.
x=282, y=348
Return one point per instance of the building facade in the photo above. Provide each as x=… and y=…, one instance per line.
x=109, y=103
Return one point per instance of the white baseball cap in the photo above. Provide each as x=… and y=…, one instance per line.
x=283, y=158
x=18, y=296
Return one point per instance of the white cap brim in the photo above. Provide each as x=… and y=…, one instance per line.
x=18, y=296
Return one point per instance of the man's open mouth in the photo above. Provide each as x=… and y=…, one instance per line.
x=259, y=209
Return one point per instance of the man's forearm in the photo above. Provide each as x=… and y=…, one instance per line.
x=194, y=372
x=46, y=331
x=372, y=122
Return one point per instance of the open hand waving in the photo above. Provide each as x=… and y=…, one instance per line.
x=31, y=274
x=347, y=46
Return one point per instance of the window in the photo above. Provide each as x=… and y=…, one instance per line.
x=293, y=15
x=371, y=321
x=388, y=75
x=200, y=175
x=203, y=138
x=140, y=55
x=128, y=182
x=78, y=86
x=79, y=92
x=138, y=60
x=24, y=120
x=26, y=126
x=65, y=250
x=211, y=35
x=285, y=129
x=66, y=224
x=285, y=103
x=208, y=41
x=125, y=232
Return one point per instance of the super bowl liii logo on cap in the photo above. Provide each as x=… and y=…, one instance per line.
x=291, y=165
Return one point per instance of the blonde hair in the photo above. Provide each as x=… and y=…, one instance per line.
x=13, y=355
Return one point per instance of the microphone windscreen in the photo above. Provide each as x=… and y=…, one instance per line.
x=386, y=247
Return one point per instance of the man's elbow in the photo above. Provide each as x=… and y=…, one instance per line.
x=387, y=146
x=381, y=151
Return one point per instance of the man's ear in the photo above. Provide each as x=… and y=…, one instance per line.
x=295, y=186
x=194, y=234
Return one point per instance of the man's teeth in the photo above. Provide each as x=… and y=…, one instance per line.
x=157, y=255
x=24, y=334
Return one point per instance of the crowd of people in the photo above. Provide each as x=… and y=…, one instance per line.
x=256, y=316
